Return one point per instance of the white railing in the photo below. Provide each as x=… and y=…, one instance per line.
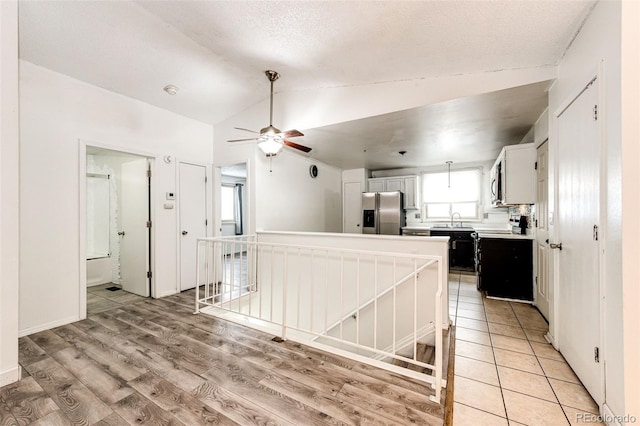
x=373, y=306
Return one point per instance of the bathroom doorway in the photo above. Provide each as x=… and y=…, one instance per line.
x=118, y=231
x=232, y=220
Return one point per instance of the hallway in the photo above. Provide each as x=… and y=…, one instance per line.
x=506, y=373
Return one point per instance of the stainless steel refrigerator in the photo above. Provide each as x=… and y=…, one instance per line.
x=382, y=213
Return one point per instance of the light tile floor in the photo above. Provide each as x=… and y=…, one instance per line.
x=505, y=371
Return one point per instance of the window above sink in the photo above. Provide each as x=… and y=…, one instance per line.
x=445, y=193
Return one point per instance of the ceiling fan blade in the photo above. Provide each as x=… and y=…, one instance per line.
x=246, y=130
x=297, y=146
x=291, y=133
x=242, y=140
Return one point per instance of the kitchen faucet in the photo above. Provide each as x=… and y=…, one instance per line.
x=459, y=217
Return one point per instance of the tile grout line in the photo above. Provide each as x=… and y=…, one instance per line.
x=544, y=372
x=493, y=351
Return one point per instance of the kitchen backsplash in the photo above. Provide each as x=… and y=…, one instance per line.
x=508, y=216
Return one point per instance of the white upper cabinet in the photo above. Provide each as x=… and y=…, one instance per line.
x=394, y=184
x=513, y=175
x=377, y=185
x=411, y=192
x=408, y=185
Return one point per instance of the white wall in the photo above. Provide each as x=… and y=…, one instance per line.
x=56, y=112
x=288, y=199
x=631, y=203
x=598, y=44
x=9, y=196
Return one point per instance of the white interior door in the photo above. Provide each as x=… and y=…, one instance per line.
x=192, y=201
x=352, y=202
x=578, y=213
x=134, y=239
x=542, y=230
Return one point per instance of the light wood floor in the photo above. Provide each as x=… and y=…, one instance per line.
x=154, y=362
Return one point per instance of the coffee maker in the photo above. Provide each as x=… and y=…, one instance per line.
x=523, y=224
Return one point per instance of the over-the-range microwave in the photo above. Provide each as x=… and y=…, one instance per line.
x=497, y=183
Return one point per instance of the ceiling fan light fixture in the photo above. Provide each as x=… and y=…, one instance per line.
x=270, y=144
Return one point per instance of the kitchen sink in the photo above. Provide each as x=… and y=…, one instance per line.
x=451, y=228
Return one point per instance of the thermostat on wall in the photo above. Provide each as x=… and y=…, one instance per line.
x=313, y=171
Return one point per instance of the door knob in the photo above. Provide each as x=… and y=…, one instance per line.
x=184, y=232
x=556, y=246
x=121, y=233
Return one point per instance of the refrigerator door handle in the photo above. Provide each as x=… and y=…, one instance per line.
x=377, y=217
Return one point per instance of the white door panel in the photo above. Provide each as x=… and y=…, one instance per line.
x=192, y=200
x=134, y=243
x=578, y=213
x=542, y=230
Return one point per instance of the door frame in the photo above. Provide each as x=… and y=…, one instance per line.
x=554, y=325
x=82, y=215
x=217, y=222
x=536, y=258
x=208, y=206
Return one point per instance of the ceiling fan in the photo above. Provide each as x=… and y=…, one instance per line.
x=271, y=140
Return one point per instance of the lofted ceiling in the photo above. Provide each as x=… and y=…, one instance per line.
x=472, y=129
x=215, y=52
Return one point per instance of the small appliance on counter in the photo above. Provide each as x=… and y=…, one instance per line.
x=519, y=218
x=523, y=224
x=382, y=213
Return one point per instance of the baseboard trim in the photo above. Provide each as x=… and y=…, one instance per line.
x=609, y=418
x=48, y=326
x=167, y=293
x=549, y=338
x=10, y=376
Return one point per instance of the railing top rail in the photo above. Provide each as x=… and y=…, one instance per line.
x=328, y=249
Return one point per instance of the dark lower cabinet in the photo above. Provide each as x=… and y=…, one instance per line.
x=505, y=268
x=461, y=249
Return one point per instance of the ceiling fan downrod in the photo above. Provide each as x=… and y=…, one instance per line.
x=272, y=76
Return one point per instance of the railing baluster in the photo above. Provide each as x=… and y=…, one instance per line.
x=415, y=311
x=326, y=291
x=285, y=281
x=375, y=302
x=393, y=320
x=312, y=277
x=358, y=300
x=242, y=254
x=197, y=308
x=271, y=281
x=341, y=294
x=298, y=290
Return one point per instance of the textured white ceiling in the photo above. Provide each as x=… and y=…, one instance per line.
x=216, y=51
x=472, y=129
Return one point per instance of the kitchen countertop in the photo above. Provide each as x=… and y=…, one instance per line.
x=511, y=236
x=483, y=230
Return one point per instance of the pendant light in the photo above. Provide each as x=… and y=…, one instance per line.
x=449, y=173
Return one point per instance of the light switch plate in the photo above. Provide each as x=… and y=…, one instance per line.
x=171, y=196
